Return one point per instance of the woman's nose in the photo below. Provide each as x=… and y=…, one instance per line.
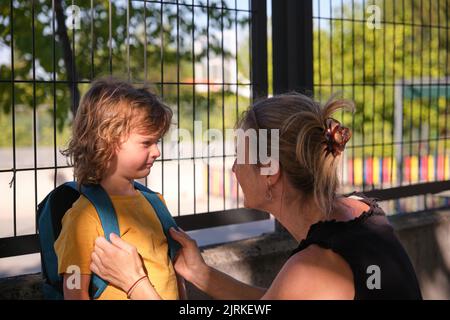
x=233, y=168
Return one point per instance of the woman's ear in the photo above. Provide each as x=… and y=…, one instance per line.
x=272, y=171
x=271, y=168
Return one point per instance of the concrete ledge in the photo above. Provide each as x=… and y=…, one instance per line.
x=419, y=219
x=26, y=287
x=425, y=236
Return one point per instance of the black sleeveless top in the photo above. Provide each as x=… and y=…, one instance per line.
x=381, y=268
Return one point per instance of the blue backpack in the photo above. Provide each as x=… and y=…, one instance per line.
x=51, y=211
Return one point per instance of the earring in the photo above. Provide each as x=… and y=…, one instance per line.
x=268, y=195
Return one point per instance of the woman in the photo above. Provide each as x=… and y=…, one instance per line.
x=347, y=248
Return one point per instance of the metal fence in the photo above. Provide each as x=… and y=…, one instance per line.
x=198, y=57
x=392, y=59
x=209, y=60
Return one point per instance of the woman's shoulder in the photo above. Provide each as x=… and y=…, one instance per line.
x=314, y=273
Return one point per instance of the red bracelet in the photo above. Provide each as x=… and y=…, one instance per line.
x=134, y=285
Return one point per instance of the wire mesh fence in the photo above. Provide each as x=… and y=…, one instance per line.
x=196, y=55
x=392, y=59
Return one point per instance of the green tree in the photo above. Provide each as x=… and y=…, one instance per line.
x=153, y=44
x=366, y=65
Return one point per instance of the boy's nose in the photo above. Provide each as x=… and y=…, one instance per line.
x=155, y=152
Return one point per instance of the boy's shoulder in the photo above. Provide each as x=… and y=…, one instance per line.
x=82, y=208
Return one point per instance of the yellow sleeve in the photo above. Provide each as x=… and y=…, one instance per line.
x=80, y=227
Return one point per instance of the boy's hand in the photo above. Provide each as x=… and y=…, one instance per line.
x=117, y=262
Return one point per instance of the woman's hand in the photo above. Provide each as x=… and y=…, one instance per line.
x=189, y=262
x=117, y=262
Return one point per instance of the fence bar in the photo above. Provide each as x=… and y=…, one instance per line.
x=292, y=32
x=259, y=77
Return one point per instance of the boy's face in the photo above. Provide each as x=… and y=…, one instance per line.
x=136, y=155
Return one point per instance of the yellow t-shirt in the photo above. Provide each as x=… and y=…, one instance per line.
x=139, y=225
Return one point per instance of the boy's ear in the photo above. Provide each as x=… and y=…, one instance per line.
x=117, y=148
x=112, y=162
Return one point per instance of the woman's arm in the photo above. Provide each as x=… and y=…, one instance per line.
x=120, y=264
x=313, y=274
x=190, y=264
x=81, y=293
x=181, y=288
x=145, y=291
x=219, y=285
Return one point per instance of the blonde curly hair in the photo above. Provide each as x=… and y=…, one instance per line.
x=109, y=111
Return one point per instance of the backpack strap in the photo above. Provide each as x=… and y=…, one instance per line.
x=108, y=218
x=47, y=239
x=164, y=217
x=48, y=209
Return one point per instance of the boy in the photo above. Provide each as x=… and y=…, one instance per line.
x=114, y=142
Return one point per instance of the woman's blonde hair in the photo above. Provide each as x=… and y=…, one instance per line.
x=302, y=142
x=109, y=111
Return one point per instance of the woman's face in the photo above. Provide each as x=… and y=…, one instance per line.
x=253, y=184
